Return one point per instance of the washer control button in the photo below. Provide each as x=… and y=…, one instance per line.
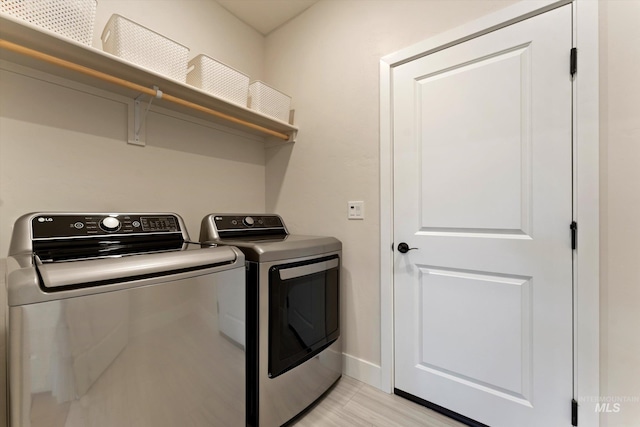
x=248, y=221
x=110, y=224
x=79, y=225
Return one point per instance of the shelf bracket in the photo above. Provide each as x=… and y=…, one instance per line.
x=140, y=111
x=271, y=141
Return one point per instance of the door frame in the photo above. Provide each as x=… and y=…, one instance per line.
x=586, y=317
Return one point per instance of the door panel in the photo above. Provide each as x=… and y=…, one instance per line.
x=499, y=335
x=482, y=187
x=483, y=114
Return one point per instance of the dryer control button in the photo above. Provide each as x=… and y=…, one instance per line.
x=110, y=224
x=248, y=221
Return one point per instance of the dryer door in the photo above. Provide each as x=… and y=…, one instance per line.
x=304, y=306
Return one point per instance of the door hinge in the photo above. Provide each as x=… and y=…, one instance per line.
x=574, y=412
x=574, y=234
x=573, y=66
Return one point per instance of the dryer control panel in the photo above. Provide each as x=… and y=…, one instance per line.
x=244, y=222
x=244, y=226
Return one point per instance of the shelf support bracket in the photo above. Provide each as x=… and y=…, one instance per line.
x=140, y=112
x=271, y=141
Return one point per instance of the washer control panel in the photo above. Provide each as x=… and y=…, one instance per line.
x=74, y=225
x=247, y=222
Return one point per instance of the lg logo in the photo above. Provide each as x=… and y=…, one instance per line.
x=43, y=219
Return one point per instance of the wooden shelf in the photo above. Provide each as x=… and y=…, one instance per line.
x=48, y=43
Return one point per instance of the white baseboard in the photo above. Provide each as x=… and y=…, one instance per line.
x=362, y=370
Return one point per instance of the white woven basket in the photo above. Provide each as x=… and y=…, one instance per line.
x=267, y=100
x=218, y=79
x=73, y=19
x=142, y=46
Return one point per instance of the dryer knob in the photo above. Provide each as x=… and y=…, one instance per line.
x=248, y=221
x=110, y=224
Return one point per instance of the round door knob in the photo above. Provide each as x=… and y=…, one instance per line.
x=110, y=224
x=404, y=248
x=248, y=221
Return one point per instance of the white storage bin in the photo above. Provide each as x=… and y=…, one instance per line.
x=267, y=100
x=73, y=19
x=142, y=46
x=218, y=79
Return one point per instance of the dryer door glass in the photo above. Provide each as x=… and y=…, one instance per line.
x=303, y=311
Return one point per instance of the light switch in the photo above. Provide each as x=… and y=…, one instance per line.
x=356, y=210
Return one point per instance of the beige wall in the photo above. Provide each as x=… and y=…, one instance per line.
x=72, y=155
x=327, y=59
x=620, y=209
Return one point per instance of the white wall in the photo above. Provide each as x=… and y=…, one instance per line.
x=620, y=209
x=327, y=59
x=65, y=148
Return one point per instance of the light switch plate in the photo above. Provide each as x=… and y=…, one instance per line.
x=356, y=210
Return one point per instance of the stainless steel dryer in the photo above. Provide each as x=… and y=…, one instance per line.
x=293, y=305
x=114, y=321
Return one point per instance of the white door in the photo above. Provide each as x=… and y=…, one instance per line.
x=483, y=190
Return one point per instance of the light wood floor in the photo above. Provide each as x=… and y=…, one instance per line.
x=354, y=404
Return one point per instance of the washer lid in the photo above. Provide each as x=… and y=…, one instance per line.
x=104, y=271
x=269, y=248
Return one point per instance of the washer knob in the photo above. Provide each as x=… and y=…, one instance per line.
x=110, y=224
x=248, y=221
